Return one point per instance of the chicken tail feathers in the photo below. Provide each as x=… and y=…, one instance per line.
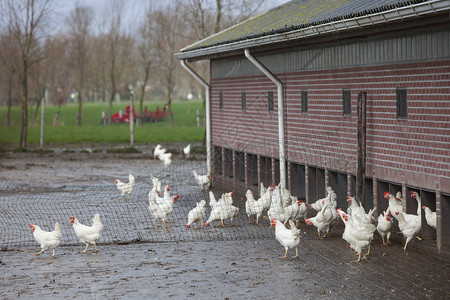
x=96, y=221
x=58, y=230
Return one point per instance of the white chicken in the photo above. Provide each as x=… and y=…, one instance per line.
x=430, y=216
x=166, y=158
x=202, y=180
x=384, y=226
x=356, y=208
x=322, y=221
x=88, y=234
x=410, y=226
x=253, y=207
x=156, y=184
x=125, y=188
x=225, y=199
x=395, y=204
x=329, y=198
x=356, y=233
x=196, y=215
x=288, y=238
x=266, y=197
x=47, y=239
x=162, y=210
x=222, y=209
x=214, y=215
x=187, y=151
x=301, y=213
x=159, y=150
x=228, y=212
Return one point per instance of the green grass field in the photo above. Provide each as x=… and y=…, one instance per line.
x=92, y=131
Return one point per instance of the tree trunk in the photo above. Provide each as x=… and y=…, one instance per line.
x=23, y=132
x=58, y=113
x=8, y=112
x=80, y=107
x=169, y=104
x=111, y=99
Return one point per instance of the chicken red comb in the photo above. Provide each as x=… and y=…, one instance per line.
x=206, y=224
x=386, y=194
x=115, y=180
x=423, y=206
x=232, y=193
x=187, y=226
x=31, y=225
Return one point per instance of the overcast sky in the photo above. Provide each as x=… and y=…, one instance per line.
x=133, y=10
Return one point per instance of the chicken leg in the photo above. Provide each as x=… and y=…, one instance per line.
x=359, y=256
x=39, y=252
x=164, y=222
x=285, y=254
x=87, y=245
x=296, y=253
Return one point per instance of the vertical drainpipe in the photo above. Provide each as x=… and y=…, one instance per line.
x=208, y=114
x=279, y=85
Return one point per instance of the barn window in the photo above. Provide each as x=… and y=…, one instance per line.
x=220, y=99
x=243, y=101
x=304, y=101
x=401, y=104
x=270, y=99
x=346, y=102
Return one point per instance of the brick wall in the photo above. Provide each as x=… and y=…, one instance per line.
x=415, y=150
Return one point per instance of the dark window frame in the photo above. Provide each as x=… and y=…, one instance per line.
x=402, y=103
x=346, y=102
x=270, y=100
x=243, y=101
x=220, y=99
x=304, y=101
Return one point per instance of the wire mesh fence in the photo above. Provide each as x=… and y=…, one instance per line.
x=125, y=220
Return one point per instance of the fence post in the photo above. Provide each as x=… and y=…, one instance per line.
x=361, y=160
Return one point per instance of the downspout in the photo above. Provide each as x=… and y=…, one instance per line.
x=279, y=85
x=208, y=113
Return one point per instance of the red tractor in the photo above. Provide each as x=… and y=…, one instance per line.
x=120, y=117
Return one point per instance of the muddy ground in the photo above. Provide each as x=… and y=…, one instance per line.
x=221, y=269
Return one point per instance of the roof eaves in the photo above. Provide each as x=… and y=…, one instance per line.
x=361, y=20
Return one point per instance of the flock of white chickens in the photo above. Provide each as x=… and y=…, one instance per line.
x=275, y=204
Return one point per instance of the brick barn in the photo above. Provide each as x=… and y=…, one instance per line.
x=352, y=94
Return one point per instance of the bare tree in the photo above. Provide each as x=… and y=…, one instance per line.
x=117, y=51
x=145, y=54
x=25, y=20
x=169, y=41
x=231, y=12
x=80, y=21
x=10, y=62
x=59, y=82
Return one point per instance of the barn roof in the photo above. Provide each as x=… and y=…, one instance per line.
x=302, y=18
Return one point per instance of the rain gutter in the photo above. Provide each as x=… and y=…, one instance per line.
x=279, y=85
x=208, y=113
